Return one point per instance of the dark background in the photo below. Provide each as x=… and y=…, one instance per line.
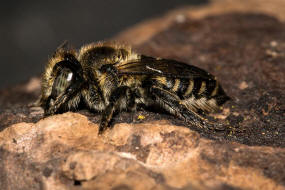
x=30, y=31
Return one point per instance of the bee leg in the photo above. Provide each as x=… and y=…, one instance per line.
x=56, y=105
x=37, y=103
x=171, y=103
x=120, y=95
x=131, y=104
x=106, y=117
x=63, y=99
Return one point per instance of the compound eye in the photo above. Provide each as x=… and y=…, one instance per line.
x=62, y=81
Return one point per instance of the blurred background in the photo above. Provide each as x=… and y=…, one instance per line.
x=30, y=31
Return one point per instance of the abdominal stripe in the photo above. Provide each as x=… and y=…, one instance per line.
x=197, y=86
x=189, y=88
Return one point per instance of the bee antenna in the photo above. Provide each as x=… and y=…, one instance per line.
x=63, y=45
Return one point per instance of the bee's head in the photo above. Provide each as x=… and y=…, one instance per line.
x=62, y=70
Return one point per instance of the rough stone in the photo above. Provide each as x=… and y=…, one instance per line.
x=64, y=151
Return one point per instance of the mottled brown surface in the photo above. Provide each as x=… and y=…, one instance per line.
x=145, y=30
x=245, y=52
x=64, y=152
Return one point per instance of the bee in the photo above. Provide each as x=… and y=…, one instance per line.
x=109, y=78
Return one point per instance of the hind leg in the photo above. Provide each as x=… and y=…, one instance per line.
x=171, y=103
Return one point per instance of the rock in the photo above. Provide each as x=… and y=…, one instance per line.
x=65, y=151
x=245, y=50
x=146, y=30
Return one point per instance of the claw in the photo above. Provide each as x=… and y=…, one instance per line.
x=37, y=103
x=217, y=127
x=103, y=126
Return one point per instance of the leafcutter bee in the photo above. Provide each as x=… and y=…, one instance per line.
x=109, y=78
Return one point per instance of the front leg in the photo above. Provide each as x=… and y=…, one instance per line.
x=120, y=99
x=54, y=107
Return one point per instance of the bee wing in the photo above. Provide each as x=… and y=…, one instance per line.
x=164, y=67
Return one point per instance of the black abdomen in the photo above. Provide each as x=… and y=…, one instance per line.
x=196, y=88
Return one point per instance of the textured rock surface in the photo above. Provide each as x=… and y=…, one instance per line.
x=64, y=151
x=246, y=53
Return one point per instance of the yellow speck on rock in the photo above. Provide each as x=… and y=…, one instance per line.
x=141, y=117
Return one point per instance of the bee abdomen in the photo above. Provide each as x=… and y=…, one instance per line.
x=206, y=95
x=200, y=88
x=197, y=93
x=215, y=91
x=184, y=88
x=197, y=87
